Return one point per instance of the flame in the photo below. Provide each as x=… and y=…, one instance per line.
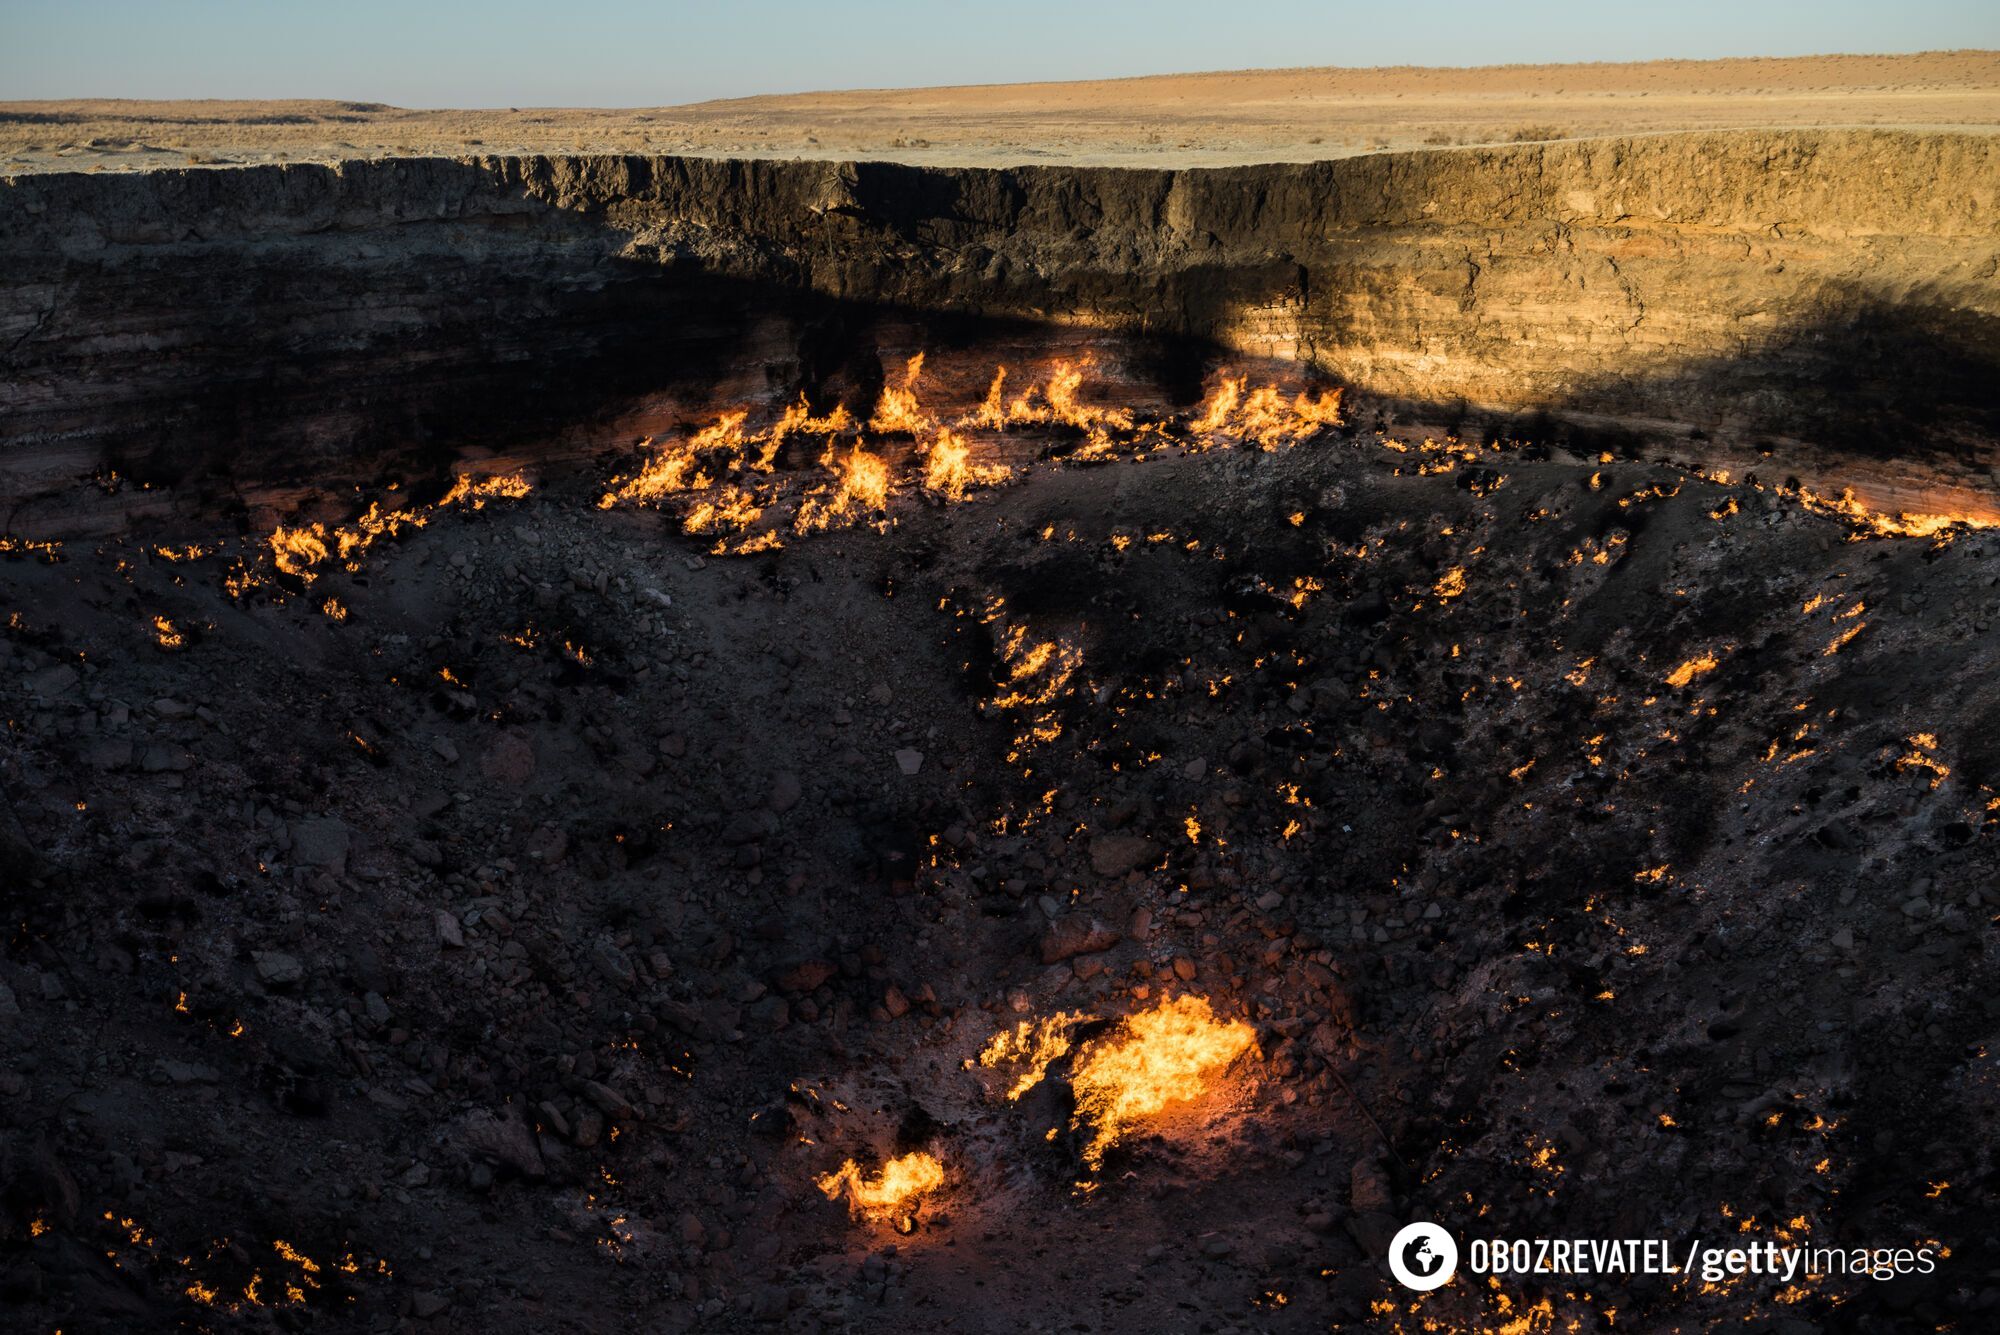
x=860, y=484
x=1921, y=755
x=897, y=410
x=476, y=492
x=1692, y=668
x=894, y=1194
x=296, y=551
x=1061, y=402
x=1038, y=676
x=1869, y=522
x=166, y=635
x=1262, y=416
x=1033, y=1045
x=947, y=472
x=1153, y=1060
x=991, y=412
x=731, y=510
x=1131, y=1074
x=299, y=552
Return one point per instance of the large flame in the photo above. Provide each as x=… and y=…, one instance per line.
x=892, y=1195
x=898, y=409
x=859, y=486
x=1153, y=1060
x=1870, y=522
x=1059, y=401
x=1032, y=1046
x=948, y=471
x=1262, y=416
x=1138, y=1070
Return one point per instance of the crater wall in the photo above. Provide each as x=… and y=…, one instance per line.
x=1800, y=291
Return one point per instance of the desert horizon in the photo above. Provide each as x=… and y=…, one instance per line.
x=1196, y=119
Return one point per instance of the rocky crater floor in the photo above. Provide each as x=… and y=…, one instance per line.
x=566, y=902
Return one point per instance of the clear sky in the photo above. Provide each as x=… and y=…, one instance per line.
x=429, y=53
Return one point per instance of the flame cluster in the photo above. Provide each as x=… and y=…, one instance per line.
x=892, y=1195
x=299, y=552
x=1868, y=522
x=722, y=476
x=1262, y=417
x=1132, y=1074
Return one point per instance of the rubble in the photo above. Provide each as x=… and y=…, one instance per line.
x=579, y=962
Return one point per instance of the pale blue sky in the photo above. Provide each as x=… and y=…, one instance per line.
x=427, y=53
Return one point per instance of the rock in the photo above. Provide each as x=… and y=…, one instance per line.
x=187, y=1073
x=769, y=1302
x=509, y=761
x=321, y=843
x=1076, y=934
x=894, y=1002
x=805, y=976
x=450, y=935
x=109, y=754
x=277, y=969
x=427, y=1303
x=548, y=845
x=1115, y=855
x=446, y=751
x=1184, y=968
x=165, y=759
x=505, y=1139
x=748, y=827
x=909, y=761
x=786, y=790
x=1368, y=1187
x=608, y=1100
x=612, y=962
x=52, y=682
x=1373, y=1232
x=771, y=1014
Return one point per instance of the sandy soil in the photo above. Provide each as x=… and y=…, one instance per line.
x=1176, y=120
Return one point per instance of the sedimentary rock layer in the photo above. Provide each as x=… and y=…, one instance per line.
x=1812, y=288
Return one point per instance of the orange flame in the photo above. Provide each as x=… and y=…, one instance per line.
x=1153, y=1060
x=1262, y=416
x=897, y=409
x=1869, y=522
x=1135, y=1073
x=860, y=484
x=892, y=1195
x=1692, y=668
x=948, y=473
x=1061, y=403
x=1033, y=1045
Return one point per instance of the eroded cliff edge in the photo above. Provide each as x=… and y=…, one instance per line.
x=1795, y=292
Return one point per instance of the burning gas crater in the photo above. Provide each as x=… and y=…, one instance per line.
x=726, y=477
x=1154, y=1072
